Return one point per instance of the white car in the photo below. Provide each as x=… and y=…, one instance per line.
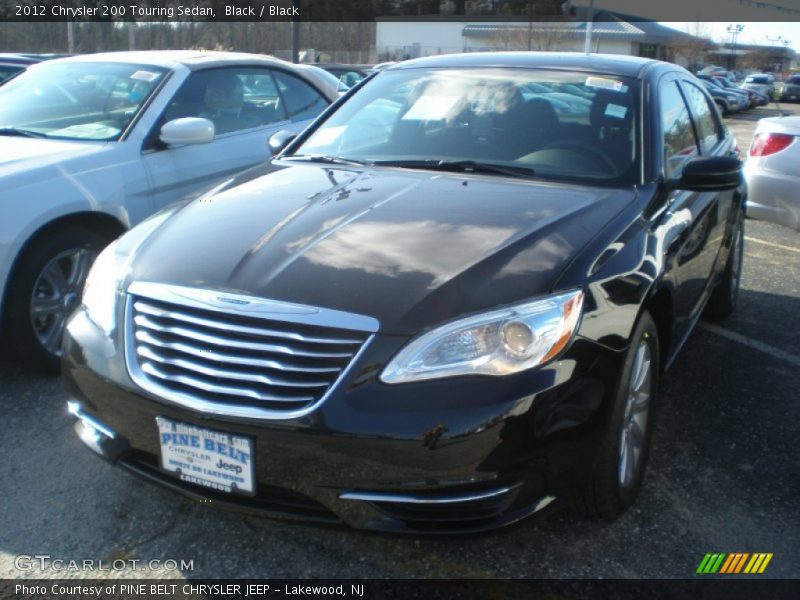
x=761, y=83
x=773, y=172
x=92, y=145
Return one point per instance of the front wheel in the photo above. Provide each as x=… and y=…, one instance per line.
x=622, y=459
x=46, y=289
x=722, y=302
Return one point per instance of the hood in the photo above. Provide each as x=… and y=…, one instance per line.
x=410, y=248
x=18, y=155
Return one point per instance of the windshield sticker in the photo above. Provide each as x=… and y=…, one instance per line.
x=145, y=76
x=605, y=84
x=431, y=108
x=616, y=111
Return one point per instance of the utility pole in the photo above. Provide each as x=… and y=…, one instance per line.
x=530, y=24
x=296, y=36
x=587, y=43
x=70, y=37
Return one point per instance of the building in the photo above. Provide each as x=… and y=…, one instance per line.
x=613, y=33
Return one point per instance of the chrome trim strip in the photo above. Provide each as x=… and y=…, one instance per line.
x=76, y=410
x=165, y=395
x=174, y=315
x=260, y=308
x=265, y=363
x=143, y=321
x=413, y=499
x=151, y=369
x=189, y=365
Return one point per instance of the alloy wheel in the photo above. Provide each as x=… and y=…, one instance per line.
x=56, y=293
x=633, y=433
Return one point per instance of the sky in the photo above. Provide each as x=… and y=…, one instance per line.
x=753, y=32
x=761, y=18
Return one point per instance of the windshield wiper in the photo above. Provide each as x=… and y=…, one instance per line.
x=13, y=131
x=324, y=158
x=467, y=166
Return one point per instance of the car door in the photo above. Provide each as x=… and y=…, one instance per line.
x=690, y=130
x=247, y=105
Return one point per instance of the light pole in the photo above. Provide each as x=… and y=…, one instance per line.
x=734, y=30
x=530, y=24
x=786, y=44
x=587, y=42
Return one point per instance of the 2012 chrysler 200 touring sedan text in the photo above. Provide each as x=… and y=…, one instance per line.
x=445, y=305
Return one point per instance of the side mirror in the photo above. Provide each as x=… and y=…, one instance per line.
x=711, y=174
x=187, y=131
x=278, y=141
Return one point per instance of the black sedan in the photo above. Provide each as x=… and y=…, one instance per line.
x=445, y=306
x=12, y=65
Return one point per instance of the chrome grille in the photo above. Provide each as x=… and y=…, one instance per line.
x=236, y=355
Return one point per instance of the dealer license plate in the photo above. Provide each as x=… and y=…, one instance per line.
x=217, y=460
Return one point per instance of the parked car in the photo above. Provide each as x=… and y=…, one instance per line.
x=791, y=89
x=12, y=65
x=348, y=75
x=91, y=145
x=746, y=95
x=441, y=325
x=773, y=172
x=727, y=102
x=762, y=83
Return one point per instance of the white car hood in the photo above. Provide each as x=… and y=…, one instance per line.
x=19, y=155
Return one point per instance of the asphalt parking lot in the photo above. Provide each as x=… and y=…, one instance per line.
x=724, y=475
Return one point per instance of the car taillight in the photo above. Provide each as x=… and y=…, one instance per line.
x=765, y=144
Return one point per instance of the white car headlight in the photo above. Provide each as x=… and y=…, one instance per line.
x=499, y=342
x=102, y=284
x=110, y=270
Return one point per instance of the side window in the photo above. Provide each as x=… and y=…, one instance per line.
x=301, y=100
x=680, y=144
x=707, y=127
x=234, y=99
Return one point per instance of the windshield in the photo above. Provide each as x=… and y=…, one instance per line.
x=762, y=80
x=76, y=101
x=551, y=124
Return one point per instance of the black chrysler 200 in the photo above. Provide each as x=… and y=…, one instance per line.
x=444, y=306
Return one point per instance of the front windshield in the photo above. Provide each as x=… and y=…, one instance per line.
x=76, y=100
x=552, y=124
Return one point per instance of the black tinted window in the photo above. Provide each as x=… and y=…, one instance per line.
x=301, y=100
x=707, y=127
x=233, y=99
x=680, y=144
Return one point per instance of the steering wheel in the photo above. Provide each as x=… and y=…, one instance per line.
x=584, y=148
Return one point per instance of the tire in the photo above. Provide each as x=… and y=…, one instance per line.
x=723, y=299
x=48, y=280
x=613, y=488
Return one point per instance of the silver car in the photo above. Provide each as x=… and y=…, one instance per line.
x=773, y=172
x=91, y=145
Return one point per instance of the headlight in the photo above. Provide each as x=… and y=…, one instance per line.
x=732, y=98
x=102, y=283
x=499, y=342
x=110, y=269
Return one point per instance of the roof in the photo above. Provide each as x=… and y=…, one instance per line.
x=627, y=66
x=192, y=59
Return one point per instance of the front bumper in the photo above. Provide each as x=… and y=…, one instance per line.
x=457, y=455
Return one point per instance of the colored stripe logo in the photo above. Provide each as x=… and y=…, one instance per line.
x=734, y=563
